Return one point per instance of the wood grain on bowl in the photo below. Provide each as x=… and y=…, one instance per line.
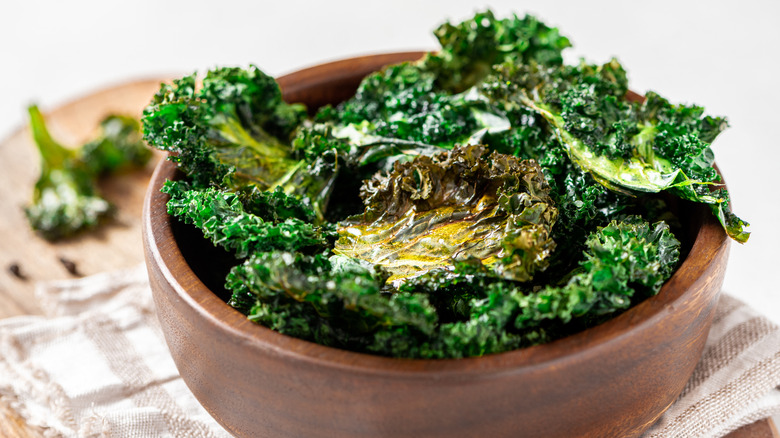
x=611, y=380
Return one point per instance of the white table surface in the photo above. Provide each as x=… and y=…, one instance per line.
x=722, y=55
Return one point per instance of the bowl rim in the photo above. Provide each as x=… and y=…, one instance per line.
x=162, y=247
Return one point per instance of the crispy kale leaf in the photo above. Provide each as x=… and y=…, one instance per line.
x=333, y=300
x=470, y=48
x=65, y=199
x=120, y=146
x=628, y=147
x=397, y=111
x=223, y=218
x=458, y=204
x=235, y=132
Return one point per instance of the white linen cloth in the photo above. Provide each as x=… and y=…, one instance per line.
x=97, y=366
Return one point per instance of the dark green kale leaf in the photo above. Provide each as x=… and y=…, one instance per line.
x=276, y=206
x=406, y=87
x=119, y=146
x=625, y=262
x=627, y=146
x=175, y=122
x=334, y=301
x=469, y=49
x=252, y=98
x=458, y=204
x=398, y=111
x=223, y=219
x=235, y=132
x=66, y=199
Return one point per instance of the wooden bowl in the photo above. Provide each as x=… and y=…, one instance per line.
x=615, y=379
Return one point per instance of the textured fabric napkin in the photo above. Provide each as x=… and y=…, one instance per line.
x=97, y=365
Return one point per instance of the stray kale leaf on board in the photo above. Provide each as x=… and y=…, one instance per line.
x=66, y=199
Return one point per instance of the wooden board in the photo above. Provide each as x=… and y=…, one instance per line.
x=114, y=245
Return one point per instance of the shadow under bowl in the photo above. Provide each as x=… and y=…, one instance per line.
x=614, y=379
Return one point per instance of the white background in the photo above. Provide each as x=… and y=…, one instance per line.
x=722, y=55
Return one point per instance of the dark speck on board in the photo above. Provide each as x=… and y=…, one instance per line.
x=16, y=271
x=70, y=266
